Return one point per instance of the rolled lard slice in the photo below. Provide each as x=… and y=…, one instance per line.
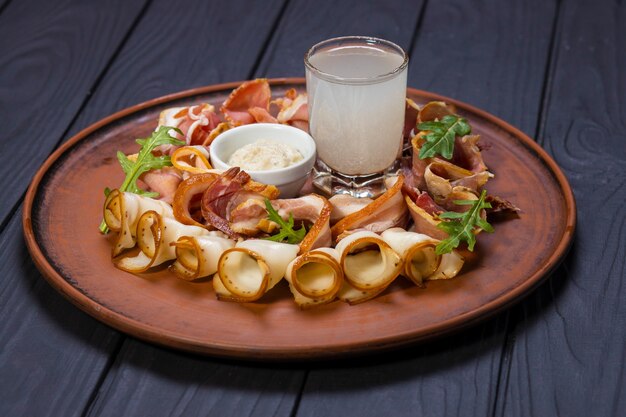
x=197, y=256
x=353, y=296
x=122, y=211
x=346, y=292
x=420, y=260
x=251, y=268
x=155, y=237
x=315, y=277
x=368, y=262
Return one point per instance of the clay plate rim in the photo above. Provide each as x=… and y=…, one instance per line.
x=154, y=334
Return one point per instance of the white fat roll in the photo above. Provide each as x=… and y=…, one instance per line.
x=315, y=277
x=197, y=256
x=122, y=211
x=252, y=268
x=450, y=265
x=418, y=252
x=155, y=235
x=368, y=262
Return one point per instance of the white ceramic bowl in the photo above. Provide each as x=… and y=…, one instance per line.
x=289, y=180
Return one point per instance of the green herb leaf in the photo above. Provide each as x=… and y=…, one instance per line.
x=441, y=134
x=286, y=228
x=461, y=226
x=145, y=162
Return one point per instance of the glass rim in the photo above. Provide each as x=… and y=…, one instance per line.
x=356, y=80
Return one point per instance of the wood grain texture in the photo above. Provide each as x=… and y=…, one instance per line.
x=463, y=50
x=51, y=355
x=487, y=53
x=305, y=23
x=163, y=56
x=181, y=45
x=570, y=345
x=448, y=377
x=73, y=361
x=50, y=59
x=148, y=381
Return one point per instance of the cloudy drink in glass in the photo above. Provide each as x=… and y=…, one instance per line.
x=356, y=88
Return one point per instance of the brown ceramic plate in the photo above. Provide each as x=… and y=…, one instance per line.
x=64, y=206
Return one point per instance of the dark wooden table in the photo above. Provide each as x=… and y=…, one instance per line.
x=555, y=69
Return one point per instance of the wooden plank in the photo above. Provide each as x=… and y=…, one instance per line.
x=3, y=4
x=168, y=56
x=462, y=50
x=49, y=61
x=72, y=361
x=568, y=352
x=51, y=54
x=146, y=380
x=51, y=354
x=307, y=23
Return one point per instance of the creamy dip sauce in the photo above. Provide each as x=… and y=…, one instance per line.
x=264, y=155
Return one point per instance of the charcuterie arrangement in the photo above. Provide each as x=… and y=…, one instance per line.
x=174, y=208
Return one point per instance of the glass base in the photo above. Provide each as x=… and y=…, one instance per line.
x=330, y=182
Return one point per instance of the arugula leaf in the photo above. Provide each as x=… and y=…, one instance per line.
x=461, y=226
x=145, y=162
x=286, y=228
x=441, y=134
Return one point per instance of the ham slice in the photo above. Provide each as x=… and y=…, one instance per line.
x=164, y=181
x=249, y=95
x=467, y=154
x=195, y=122
x=293, y=109
x=216, y=198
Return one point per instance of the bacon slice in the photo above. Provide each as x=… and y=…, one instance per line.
x=250, y=218
x=251, y=94
x=467, y=154
x=196, y=123
x=442, y=178
x=423, y=221
x=293, y=109
x=388, y=210
x=188, y=192
x=261, y=115
x=344, y=205
x=216, y=197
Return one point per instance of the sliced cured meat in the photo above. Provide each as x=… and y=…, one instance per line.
x=293, y=109
x=251, y=94
x=164, y=181
x=216, y=197
x=388, y=210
